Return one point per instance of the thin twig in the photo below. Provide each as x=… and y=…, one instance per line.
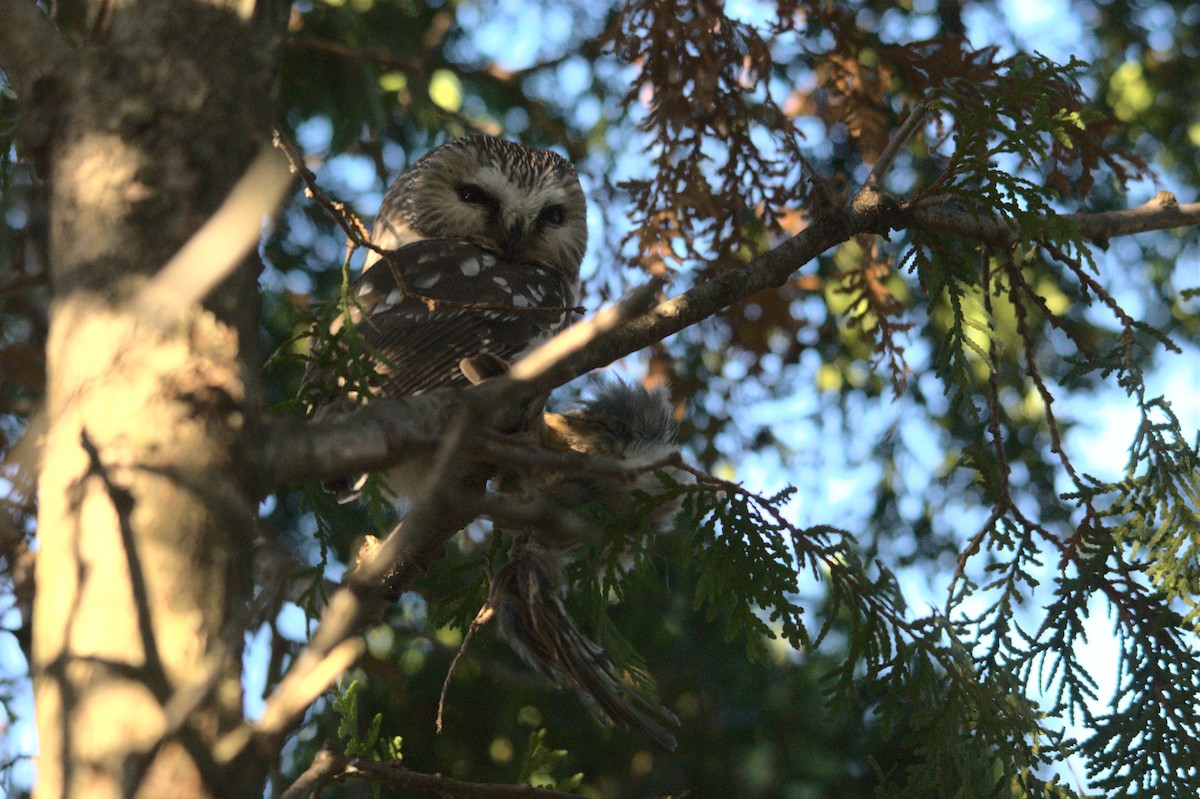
x=348, y=221
x=321, y=771
x=481, y=618
x=397, y=776
x=897, y=142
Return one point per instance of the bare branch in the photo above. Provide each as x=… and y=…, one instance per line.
x=771, y=269
x=30, y=46
x=539, y=366
x=1160, y=213
x=312, y=674
x=370, y=438
x=323, y=768
x=397, y=776
x=355, y=230
x=220, y=244
x=895, y=145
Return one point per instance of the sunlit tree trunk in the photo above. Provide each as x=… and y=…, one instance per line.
x=147, y=506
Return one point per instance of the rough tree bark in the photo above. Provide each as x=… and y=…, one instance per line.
x=146, y=513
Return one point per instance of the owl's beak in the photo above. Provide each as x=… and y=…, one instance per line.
x=512, y=236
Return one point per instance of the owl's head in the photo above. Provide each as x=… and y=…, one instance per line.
x=523, y=203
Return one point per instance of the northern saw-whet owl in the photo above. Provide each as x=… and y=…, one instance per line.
x=633, y=427
x=487, y=236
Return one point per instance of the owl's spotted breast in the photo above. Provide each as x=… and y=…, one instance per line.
x=458, y=301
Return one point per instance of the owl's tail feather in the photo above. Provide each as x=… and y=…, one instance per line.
x=533, y=621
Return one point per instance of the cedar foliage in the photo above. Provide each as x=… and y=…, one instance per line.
x=789, y=652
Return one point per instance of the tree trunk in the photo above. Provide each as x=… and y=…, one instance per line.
x=147, y=508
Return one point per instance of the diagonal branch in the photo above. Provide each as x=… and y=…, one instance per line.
x=220, y=245
x=437, y=513
x=916, y=119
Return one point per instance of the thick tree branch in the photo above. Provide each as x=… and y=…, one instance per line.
x=369, y=439
x=1160, y=213
x=769, y=270
x=30, y=46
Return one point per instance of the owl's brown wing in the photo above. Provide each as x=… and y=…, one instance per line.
x=457, y=301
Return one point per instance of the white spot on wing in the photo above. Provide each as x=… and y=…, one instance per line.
x=499, y=281
x=520, y=301
x=469, y=267
x=394, y=297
